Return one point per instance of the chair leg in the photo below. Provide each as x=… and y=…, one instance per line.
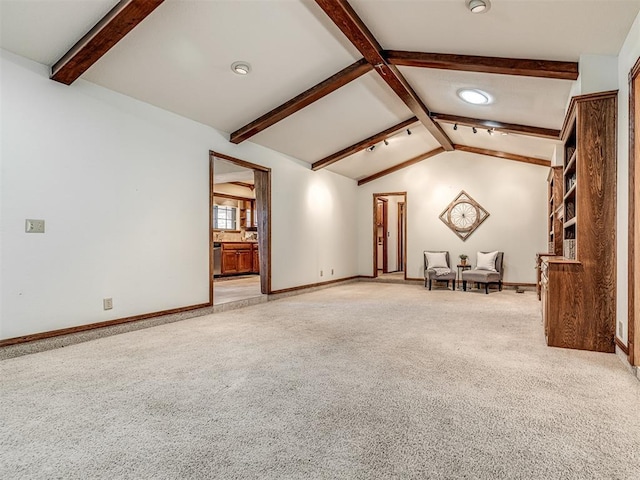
x=464, y=285
x=425, y=282
x=429, y=284
x=486, y=288
x=500, y=285
x=453, y=285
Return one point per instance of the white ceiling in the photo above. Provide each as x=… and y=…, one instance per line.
x=179, y=59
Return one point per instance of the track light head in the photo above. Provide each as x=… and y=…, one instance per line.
x=386, y=142
x=490, y=131
x=455, y=126
x=474, y=129
x=408, y=132
x=371, y=148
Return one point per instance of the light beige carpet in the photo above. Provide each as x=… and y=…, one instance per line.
x=364, y=381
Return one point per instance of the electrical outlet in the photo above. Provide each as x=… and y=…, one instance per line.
x=34, y=226
x=321, y=273
x=620, y=329
x=332, y=271
x=107, y=303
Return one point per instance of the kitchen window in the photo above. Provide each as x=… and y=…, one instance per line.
x=224, y=218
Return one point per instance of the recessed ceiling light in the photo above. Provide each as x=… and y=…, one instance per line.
x=475, y=97
x=478, y=6
x=241, y=68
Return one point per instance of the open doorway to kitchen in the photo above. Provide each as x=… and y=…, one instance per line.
x=240, y=209
x=390, y=235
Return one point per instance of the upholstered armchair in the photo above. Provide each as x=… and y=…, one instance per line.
x=489, y=269
x=436, y=265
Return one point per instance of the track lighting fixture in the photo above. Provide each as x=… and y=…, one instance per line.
x=490, y=131
x=455, y=126
x=474, y=129
x=386, y=142
x=408, y=132
x=371, y=148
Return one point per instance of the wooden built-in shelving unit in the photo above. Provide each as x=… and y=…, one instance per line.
x=578, y=288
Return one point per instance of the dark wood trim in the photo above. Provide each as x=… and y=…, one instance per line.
x=499, y=126
x=571, y=110
x=250, y=186
x=474, y=63
x=385, y=236
x=322, y=89
x=112, y=28
x=211, y=210
x=507, y=156
x=631, y=258
x=231, y=197
x=401, y=236
x=313, y=285
x=237, y=161
x=347, y=20
x=93, y=326
x=622, y=346
x=400, y=166
x=362, y=145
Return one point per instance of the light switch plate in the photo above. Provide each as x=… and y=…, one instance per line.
x=34, y=226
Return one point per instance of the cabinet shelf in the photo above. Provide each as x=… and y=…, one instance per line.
x=571, y=163
x=570, y=193
x=570, y=223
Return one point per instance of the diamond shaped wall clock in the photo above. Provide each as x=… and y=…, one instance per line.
x=464, y=215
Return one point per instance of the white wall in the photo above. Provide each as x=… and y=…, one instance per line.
x=626, y=59
x=123, y=188
x=513, y=193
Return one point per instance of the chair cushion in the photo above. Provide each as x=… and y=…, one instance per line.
x=487, y=261
x=436, y=259
x=480, y=276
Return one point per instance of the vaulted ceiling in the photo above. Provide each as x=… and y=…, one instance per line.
x=330, y=78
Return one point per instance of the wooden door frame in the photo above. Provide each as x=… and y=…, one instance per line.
x=633, y=315
x=401, y=235
x=264, y=242
x=375, y=230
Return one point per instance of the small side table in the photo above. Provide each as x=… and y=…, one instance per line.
x=462, y=268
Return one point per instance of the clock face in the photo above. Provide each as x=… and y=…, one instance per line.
x=464, y=215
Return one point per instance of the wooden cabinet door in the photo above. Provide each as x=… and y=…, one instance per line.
x=256, y=261
x=245, y=261
x=229, y=262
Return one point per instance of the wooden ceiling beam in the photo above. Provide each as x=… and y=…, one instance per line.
x=112, y=28
x=363, y=144
x=500, y=126
x=504, y=155
x=347, y=20
x=473, y=63
x=331, y=84
x=400, y=166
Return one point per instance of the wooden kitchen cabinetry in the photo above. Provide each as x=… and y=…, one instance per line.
x=256, y=258
x=237, y=258
x=578, y=290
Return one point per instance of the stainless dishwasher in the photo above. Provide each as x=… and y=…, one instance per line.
x=217, y=259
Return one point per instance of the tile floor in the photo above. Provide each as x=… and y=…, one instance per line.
x=235, y=289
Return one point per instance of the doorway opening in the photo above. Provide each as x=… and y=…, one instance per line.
x=240, y=221
x=390, y=235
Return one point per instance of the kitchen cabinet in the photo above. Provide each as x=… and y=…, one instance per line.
x=239, y=257
x=256, y=259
